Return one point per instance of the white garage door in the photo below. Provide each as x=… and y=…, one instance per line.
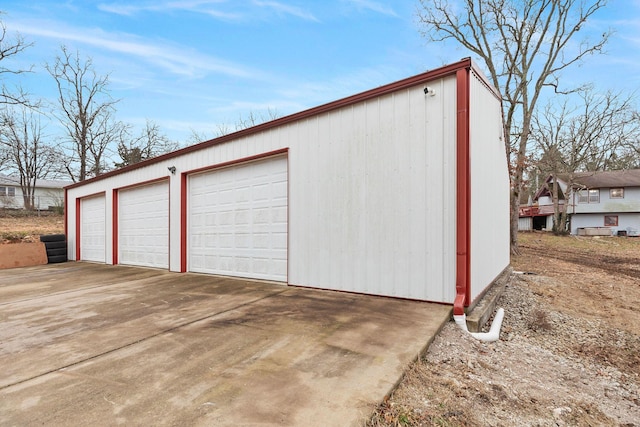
x=238, y=221
x=92, y=229
x=143, y=225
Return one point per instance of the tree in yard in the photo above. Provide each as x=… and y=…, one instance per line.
x=524, y=45
x=86, y=112
x=150, y=143
x=592, y=136
x=10, y=47
x=27, y=154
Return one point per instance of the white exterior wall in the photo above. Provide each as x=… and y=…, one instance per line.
x=371, y=194
x=489, y=249
x=372, y=197
x=43, y=198
x=630, y=202
x=626, y=221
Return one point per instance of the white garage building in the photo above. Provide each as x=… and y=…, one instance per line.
x=400, y=191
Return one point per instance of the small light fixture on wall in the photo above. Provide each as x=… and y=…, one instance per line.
x=172, y=169
x=429, y=91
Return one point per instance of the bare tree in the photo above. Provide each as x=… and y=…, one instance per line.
x=244, y=122
x=86, y=112
x=525, y=45
x=151, y=143
x=589, y=137
x=27, y=154
x=10, y=47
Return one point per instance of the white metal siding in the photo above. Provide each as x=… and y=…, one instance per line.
x=372, y=197
x=92, y=229
x=238, y=220
x=143, y=225
x=489, y=188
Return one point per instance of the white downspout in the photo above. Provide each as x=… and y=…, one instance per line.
x=494, y=331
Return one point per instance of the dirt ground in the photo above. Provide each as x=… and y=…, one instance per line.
x=18, y=226
x=568, y=354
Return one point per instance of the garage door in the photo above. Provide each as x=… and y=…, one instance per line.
x=92, y=229
x=237, y=221
x=143, y=225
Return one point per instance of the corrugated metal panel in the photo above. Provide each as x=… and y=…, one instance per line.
x=489, y=188
x=374, y=212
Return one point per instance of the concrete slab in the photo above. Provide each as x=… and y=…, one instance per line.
x=88, y=344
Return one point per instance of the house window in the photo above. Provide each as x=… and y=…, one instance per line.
x=616, y=193
x=583, y=196
x=589, y=196
x=7, y=191
x=611, y=220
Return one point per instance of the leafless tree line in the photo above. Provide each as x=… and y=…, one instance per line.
x=525, y=46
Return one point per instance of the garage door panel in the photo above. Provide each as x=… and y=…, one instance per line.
x=93, y=229
x=143, y=215
x=238, y=221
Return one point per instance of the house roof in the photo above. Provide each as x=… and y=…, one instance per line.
x=622, y=178
x=40, y=183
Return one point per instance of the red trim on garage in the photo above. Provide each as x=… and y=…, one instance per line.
x=115, y=214
x=463, y=194
x=183, y=222
x=238, y=161
x=78, y=223
x=66, y=210
x=78, y=228
x=184, y=199
x=114, y=226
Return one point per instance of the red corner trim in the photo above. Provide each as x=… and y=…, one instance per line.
x=78, y=229
x=183, y=222
x=114, y=225
x=463, y=194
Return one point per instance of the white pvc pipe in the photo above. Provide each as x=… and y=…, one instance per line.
x=494, y=331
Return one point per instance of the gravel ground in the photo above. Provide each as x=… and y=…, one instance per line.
x=568, y=354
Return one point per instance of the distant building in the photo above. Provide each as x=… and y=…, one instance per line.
x=601, y=203
x=47, y=194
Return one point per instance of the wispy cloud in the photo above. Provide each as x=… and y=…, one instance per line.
x=282, y=8
x=205, y=7
x=177, y=60
x=212, y=8
x=373, y=6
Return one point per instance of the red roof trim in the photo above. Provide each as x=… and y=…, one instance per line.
x=437, y=73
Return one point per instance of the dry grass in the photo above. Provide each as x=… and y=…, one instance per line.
x=21, y=226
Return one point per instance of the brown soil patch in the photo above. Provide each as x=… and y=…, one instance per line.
x=20, y=226
x=568, y=354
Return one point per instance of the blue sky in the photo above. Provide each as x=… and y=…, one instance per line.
x=194, y=65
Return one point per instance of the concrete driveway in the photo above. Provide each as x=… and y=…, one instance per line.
x=87, y=344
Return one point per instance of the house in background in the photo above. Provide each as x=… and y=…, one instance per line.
x=601, y=203
x=47, y=195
